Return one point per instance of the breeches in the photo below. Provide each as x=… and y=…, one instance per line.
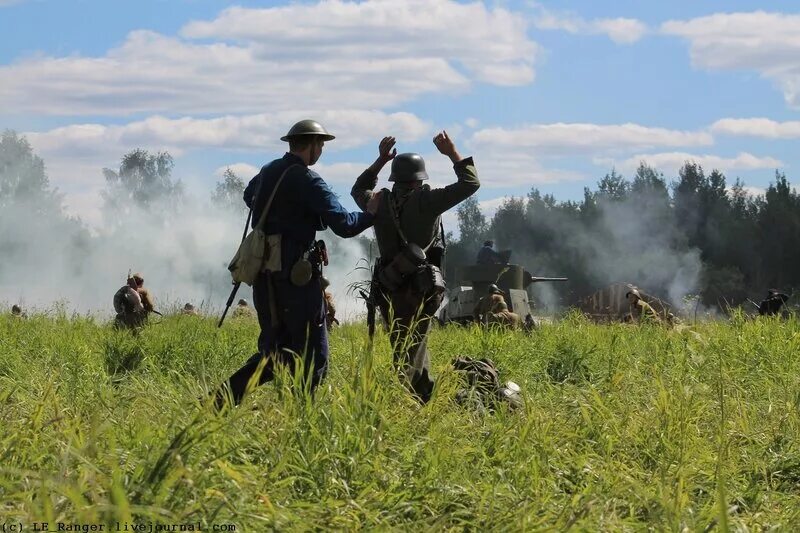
x=409, y=316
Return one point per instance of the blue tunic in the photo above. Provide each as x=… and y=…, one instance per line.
x=303, y=205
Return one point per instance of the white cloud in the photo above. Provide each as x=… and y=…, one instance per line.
x=243, y=170
x=369, y=55
x=758, y=127
x=619, y=30
x=249, y=132
x=768, y=43
x=670, y=162
x=489, y=43
x=581, y=138
x=76, y=154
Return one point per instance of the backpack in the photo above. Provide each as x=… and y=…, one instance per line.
x=483, y=386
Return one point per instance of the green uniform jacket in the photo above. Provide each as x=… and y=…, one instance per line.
x=419, y=208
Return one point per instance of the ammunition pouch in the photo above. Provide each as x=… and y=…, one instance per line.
x=394, y=274
x=428, y=279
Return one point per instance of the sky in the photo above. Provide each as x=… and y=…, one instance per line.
x=551, y=95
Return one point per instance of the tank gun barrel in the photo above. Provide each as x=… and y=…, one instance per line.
x=528, y=278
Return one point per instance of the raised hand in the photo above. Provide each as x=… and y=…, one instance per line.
x=446, y=146
x=386, y=150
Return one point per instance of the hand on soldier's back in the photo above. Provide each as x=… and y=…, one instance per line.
x=374, y=202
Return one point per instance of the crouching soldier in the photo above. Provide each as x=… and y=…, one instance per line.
x=490, y=301
x=330, y=305
x=408, y=230
x=243, y=310
x=132, y=303
x=501, y=316
x=641, y=311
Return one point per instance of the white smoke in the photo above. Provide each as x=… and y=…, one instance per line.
x=181, y=251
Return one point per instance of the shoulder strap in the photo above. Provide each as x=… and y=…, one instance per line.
x=396, y=220
x=262, y=220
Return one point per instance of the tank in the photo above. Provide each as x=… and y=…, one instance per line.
x=609, y=304
x=472, y=283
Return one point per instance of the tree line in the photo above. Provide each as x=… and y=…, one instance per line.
x=691, y=236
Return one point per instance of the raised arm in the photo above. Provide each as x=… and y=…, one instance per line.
x=442, y=199
x=364, y=186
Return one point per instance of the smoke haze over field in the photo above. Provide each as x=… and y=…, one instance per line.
x=181, y=244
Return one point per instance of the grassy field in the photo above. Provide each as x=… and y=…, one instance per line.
x=625, y=428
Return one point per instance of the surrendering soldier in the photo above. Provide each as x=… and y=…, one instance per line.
x=408, y=230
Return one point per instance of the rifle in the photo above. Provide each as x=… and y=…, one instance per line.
x=370, y=310
x=758, y=307
x=229, y=303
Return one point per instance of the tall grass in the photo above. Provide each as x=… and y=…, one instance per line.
x=624, y=427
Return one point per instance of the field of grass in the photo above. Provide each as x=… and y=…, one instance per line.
x=624, y=428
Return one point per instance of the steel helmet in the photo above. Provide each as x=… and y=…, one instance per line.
x=407, y=168
x=308, y=127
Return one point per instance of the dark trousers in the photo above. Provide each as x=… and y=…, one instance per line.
x=409, y=315
x=298, y=334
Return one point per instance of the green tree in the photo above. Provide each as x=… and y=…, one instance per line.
x=23, y=178
x=228, y=193
x=143, y=179
x=472, y=226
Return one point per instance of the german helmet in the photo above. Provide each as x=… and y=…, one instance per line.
x=407, y=168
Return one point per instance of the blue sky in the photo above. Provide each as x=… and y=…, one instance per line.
x=544, y=94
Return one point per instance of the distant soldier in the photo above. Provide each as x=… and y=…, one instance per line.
x=16, y=311
x=641, y=311
x=189, y=309
x=132, y=303
x=487, y=255
x=488, y=302
x=330, y=306
x=243, y=310
x=773, y=303
x=499, y=314
x=407, y=278
x=330, y=311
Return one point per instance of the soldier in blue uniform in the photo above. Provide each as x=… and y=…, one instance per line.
x=290, y=303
